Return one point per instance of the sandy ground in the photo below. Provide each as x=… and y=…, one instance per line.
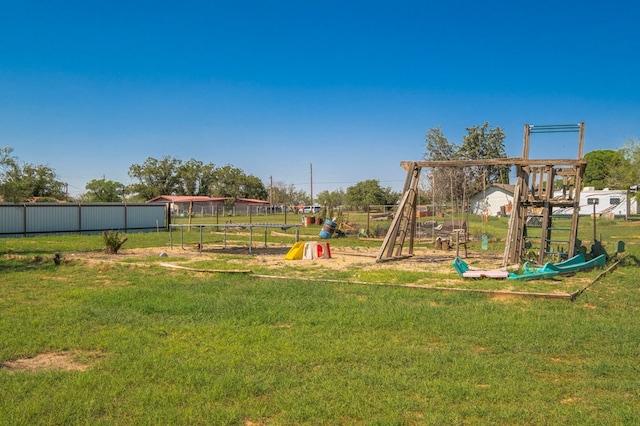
x=273, y=256
x=65, y=361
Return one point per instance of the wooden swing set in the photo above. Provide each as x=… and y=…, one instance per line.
x=533, y=197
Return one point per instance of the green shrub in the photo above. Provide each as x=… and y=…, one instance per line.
x=112, y=241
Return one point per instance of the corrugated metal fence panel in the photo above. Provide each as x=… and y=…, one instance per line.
x=103, y=217
x=47, y=217
x=140, y=216
x=11, y=219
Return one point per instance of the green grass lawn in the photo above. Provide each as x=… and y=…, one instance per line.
x=176, y=347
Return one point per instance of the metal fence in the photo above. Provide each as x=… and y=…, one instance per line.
x=51, y=218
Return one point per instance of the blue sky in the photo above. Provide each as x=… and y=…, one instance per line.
x=89, y=88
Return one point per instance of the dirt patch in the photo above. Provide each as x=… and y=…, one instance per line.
x=432, y=268
x=54, y=361
x=504, y=297
x=342, y=259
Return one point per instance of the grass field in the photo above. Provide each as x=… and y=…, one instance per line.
x=132, y=343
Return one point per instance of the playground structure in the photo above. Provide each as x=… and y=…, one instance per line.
x=309, y=250
x=533, y=198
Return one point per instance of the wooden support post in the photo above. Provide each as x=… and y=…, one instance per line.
x=545, y=233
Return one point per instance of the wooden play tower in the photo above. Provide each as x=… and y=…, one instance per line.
x=541, y=187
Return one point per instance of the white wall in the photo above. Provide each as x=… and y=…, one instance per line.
x=610, y=201
x=493, y=199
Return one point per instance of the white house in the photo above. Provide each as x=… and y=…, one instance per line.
x=497, y=199
x=616, y=202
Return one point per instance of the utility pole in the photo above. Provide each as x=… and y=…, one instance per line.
x=311, y=180
x=271, y=193
x=594, y=201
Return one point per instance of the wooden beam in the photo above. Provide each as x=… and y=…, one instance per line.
x=525, y=142
x=517, y=161
x=581, y=140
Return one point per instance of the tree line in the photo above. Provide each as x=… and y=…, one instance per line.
x=22, y=182
x=614, y=169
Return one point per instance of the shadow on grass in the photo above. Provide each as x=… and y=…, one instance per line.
x=21, y=262
x=240, y=250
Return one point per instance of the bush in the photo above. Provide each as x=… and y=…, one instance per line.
x=112, y=241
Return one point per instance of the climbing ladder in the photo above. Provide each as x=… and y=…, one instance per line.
x=403, y=224
x=535, y=201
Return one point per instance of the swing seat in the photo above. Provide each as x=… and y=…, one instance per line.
x=463, y=270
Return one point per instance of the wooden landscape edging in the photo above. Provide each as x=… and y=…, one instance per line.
x=575, y=295
x=564, y=296
x=223, y=271
x=539, y=295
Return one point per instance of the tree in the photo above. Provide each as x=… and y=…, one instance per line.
x=253, y=187
x=171, y=176
x=195, y=177
x=607, y=168
x=439, y=147
x=483, y=142
x=10, y=188
x=155, y=177
x=440, y=180
x=43, y=182
x=227, y=181
x=6, y=160
x=369, y=192
x=28, y=181
x=104, y=191
x=631, y=152
x=458, y=184
x=282, y=193
x=331, y=199
x=232, y=182
x=287, y=195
